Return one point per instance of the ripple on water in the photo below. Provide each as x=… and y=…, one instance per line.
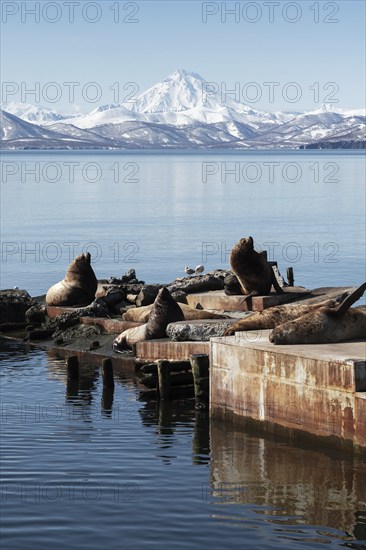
x=141, y=476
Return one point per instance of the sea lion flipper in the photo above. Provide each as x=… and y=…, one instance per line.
x=344, y=306
x=275, y=284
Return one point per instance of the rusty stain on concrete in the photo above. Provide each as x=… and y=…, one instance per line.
x=308, y=388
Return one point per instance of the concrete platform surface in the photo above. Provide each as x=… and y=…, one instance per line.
x=341, y=351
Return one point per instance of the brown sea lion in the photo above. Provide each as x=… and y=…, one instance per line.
x=165, y=310
x=138, y=314
x=78, y=287
x=325, y=325
x=274, y=316
x=142, y=314
x=254, y=273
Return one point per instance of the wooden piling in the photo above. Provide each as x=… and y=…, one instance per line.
x=290, y=276
x=200, y=370
x=164, y=386
x=107, y=373
x=72, y=368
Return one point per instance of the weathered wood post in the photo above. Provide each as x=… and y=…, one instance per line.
x=164, y=386
x=107, y=373
x=200, y=369
x=290, y=275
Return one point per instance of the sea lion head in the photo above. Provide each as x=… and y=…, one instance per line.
x=243, y=247
x=246, y=244
x=80, y=263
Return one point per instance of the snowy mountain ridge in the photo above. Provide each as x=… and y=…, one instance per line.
x=177, y=112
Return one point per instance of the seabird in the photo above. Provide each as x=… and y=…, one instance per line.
x=199, y=269
x=188, y=270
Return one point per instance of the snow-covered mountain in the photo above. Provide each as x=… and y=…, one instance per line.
x=182, y=112
x=32, y=113
x=20, y=134
x=13, y=127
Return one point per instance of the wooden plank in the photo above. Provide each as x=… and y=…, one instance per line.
x=217, y=299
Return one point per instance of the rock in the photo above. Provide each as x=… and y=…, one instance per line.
x=129, y=275
x=180, y=296
x=147, y=295
x=113, y=296
x=63, y=321
x=36, y=314
x=13, y=305
x=111, y=281
x=201, y=283
x=231, y=285
x=60, y=323
x=133, y=288
x=76, y=332
x=201, y=330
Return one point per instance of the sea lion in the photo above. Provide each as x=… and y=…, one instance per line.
x=138, y=314
x=165, y=310
x=142, y=314
x=325, y=325
x=254, y=273
x=274, y=316
x=78, y=287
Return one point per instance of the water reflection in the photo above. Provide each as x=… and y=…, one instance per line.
x=167, y=417
x=297, y=486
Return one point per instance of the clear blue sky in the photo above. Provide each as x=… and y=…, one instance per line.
x=172, y=34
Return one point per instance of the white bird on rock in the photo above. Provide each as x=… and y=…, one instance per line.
x=188, y=270
x=199, y=269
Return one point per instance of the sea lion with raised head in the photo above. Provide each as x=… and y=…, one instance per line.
x=254, y=273
x=165, y=310
x=78, y=287
x=325, y=325
x=274, y=316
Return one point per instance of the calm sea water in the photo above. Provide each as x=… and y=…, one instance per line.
x=159, y=213
x=85, y=469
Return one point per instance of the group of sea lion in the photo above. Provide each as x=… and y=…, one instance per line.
x=325, y=322
x=328, y=321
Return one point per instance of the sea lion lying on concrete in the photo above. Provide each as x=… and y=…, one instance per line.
x=165, y=310
x=254, y=273
x=142, y=314
x=78, y=287
x=274, y=316
x=325, y=324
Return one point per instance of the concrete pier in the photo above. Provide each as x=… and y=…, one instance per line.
x=303, y=390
